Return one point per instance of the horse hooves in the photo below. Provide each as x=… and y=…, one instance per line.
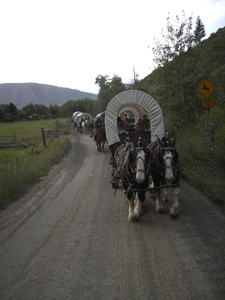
x=134, y=219
x=143, y=212
x=174, y=216
x=161, y=211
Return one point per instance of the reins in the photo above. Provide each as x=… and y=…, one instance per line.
x=158, y=167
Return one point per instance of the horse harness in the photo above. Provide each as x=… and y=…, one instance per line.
x=128, y=167
x=158, y=164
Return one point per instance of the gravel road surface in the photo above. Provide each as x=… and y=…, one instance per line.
x=69, y=238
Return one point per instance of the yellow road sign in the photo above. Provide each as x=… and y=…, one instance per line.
x=206, y=88
x=207, y=102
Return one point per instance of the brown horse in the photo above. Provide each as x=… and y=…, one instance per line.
x=100, y=139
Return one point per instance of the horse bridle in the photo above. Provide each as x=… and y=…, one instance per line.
x=168, y=156
x=138, y=155
x=174, y=165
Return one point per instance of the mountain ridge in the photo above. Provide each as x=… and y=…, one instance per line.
x=22, y=94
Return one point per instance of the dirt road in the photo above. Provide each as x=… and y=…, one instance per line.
x=69, y=238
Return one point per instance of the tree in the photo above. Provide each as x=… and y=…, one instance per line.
x=29, y=109
x=177, y=40
x=177, y=66
x=40, y=109
x=8, y=118
x=2, y=113
x=53, y=110
x=116, y=86
x=109, y=87
x=68, y=108
x=12, y=108
x=104, y=91
x=199, y=32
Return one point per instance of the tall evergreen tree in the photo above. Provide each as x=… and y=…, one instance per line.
x=199, y=32
x=12, y=108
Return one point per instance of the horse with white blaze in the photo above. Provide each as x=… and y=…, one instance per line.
x=165, y=172
x=133, y=163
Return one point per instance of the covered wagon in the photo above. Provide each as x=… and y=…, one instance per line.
x=138, y=104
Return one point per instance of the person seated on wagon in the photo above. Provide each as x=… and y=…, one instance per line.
x=139, y=126
x=147, y=126
x=146, y=123
x=120, y=126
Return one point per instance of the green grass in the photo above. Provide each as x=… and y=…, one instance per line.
x=202, y=160
x=21, y=168
x=26, y=130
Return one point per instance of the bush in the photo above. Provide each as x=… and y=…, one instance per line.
x=8, y=118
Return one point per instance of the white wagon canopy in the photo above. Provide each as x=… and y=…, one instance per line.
x=138, y=102
x=78, y=116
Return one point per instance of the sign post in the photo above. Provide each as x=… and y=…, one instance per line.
x=206, y=103
x=206, y=88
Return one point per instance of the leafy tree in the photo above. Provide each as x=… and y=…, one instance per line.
x=29, y=109
x=104, y=91
x=68, y=108
x=53, y=110
x=2, y=113
x=3, y=110
x=177, y=40
x=8, y=118
x=177, y=67
x=22, y=114
x=40, y=109
x=109, y=87
x=116, y=86
x=88, y=105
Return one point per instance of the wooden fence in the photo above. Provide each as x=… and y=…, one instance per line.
x=8, y=141
x=11, y=141
x=49, y=134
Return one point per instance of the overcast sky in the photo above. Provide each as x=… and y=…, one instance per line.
x=68, y=43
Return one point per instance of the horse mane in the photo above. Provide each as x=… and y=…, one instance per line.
x=167, y=143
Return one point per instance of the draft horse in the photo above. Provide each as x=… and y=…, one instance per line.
x=133, y=165
x=86, y=126
x=100, y=139
x=165, y=173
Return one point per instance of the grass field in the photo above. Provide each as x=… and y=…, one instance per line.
x=29, y=129
x=20, y=167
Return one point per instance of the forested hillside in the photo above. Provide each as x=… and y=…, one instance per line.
x=200, y=131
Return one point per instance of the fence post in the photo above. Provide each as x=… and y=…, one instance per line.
x=43, y=137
